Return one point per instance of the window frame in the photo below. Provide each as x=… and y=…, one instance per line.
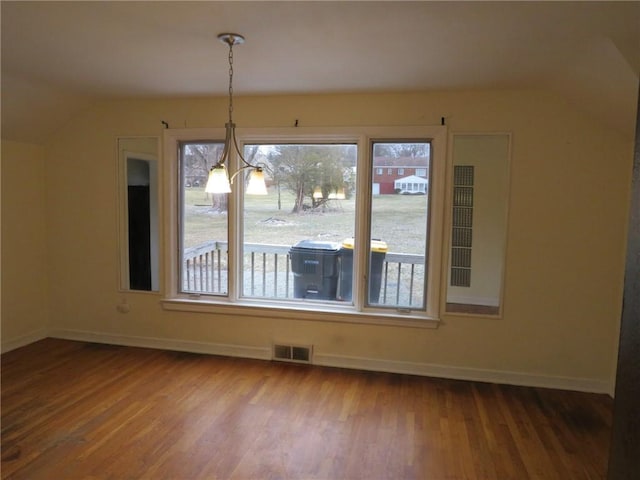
x=358, y=312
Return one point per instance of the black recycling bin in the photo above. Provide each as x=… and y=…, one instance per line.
x=345, y=288
x=315, y=269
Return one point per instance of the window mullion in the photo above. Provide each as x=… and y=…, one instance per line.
x=235, y=230
x=363, y=219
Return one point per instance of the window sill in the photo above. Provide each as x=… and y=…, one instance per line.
x=309, y=312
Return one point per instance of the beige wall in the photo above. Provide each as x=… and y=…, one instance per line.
x=24, y=260
x=569, y=196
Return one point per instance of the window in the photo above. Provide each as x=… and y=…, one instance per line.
x=389, y=171
x=311, y=244
x=293, y=240
x=203, y=223
x=401, y=171
x=379, y=171
x=421, y=172
x=399, y=225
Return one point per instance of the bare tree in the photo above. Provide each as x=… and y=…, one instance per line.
x=399, y=150
x=197, y=161
x=303, y=168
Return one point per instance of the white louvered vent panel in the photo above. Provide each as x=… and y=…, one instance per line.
x=462, y=225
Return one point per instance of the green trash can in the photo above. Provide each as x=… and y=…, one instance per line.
x=345, y=273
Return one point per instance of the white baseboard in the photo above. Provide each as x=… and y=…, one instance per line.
x=260, y=353
x=342, y=361
x=464, y=373
x=23, y=340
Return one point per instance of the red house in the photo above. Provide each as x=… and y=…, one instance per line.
x=386, y=170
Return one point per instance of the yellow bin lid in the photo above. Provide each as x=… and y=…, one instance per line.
x=377, y=246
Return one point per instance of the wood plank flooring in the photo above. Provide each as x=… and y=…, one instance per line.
x=73, y=410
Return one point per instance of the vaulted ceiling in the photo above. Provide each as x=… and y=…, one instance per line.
x=60, y=57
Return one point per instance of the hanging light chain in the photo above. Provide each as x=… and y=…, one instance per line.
x=231, y=81
x=231, y=141
x=219, y=180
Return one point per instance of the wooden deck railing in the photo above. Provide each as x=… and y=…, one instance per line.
x=267, y=273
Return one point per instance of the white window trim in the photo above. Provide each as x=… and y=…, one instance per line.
x=307, y=310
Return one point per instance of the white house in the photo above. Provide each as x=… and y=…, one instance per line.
x=411, y=184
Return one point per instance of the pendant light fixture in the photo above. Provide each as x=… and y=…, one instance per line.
x=219, y=180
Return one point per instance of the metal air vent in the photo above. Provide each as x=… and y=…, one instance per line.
x=292, y=353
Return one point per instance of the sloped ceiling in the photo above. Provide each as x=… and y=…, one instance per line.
x=60, y=57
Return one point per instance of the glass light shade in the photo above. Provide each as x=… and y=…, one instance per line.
x=257, y=185
x=333, y=195
x=340, y=194
x=218, y=181
x=317, y=193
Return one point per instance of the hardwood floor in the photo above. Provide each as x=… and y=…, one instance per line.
x=73, y=410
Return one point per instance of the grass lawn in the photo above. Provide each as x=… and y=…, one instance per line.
x=399, y=220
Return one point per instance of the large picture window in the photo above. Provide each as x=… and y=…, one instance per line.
x=293, y=239
x=331, y=235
